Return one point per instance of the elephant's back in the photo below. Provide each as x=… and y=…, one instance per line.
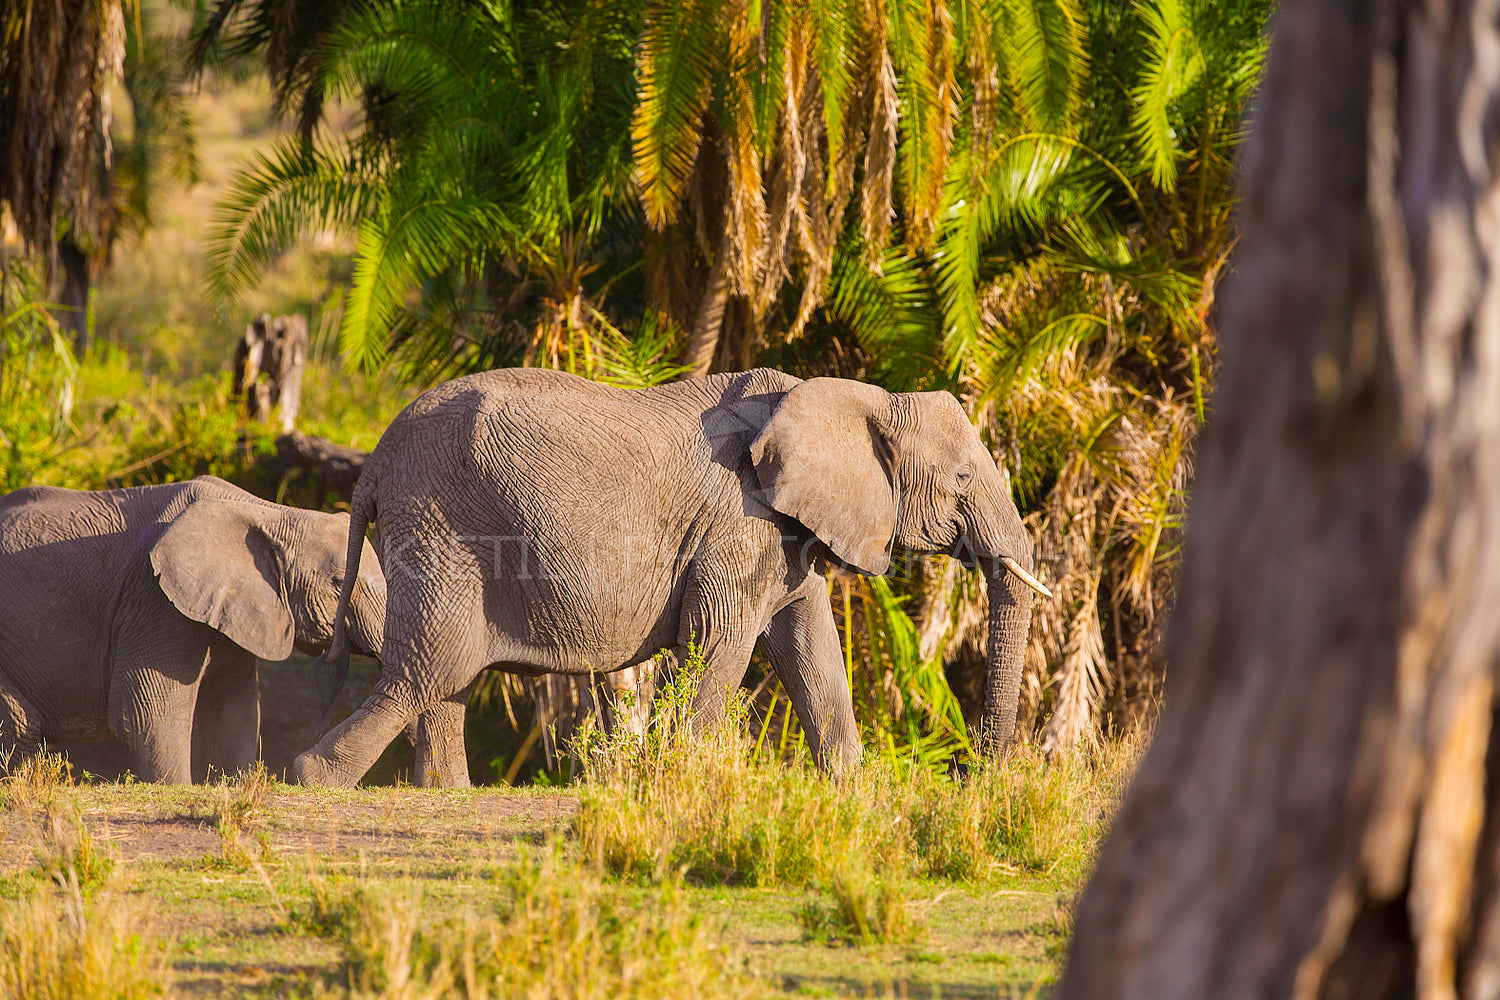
x=47, y=515
x=577, y=505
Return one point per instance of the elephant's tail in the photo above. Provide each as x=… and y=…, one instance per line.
x=361, y=513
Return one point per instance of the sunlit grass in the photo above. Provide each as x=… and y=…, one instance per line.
x=550, y=929
x=63, y=945
x=707, y=805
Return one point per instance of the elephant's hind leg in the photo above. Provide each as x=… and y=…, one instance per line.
x=348, y=750
x=431, y=654
x=438, y=750
x=20, y=729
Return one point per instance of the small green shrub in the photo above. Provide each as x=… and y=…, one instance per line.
x=32, y=784
x=709, y=806
x=329, y=911
x=67, y=854
x=865, y=911
x=241, y=804
x=553, y=930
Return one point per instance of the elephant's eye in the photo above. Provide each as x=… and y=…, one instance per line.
x=964, y=477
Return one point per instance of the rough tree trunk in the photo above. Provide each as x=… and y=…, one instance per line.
x=1319, y=815
x=703, y=342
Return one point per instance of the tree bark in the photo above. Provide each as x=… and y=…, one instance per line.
x=268, y=364
x=1319, y=814
x=703, y=341
x=73, y=296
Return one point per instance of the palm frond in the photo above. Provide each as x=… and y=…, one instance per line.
x=1173, y=63
x=278, y=196
x=1044, y=50
x=676, y=65
x=395, y=251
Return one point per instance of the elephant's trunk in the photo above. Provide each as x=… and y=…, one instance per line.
x=1010, y=623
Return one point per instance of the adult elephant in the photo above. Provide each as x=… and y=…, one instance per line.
x=532, y=521
x=139, y=613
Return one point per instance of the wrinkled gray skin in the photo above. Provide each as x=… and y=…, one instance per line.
x=535, y=522
x=140, y=612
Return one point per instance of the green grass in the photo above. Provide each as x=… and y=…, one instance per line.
x=719, y=809
x=401, y=892
x=124, y=427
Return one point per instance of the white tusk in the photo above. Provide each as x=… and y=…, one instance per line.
x=1025, y=577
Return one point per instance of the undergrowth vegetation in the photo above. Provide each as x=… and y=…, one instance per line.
x=549, y=928
x=719, y=807
x=638, y=894
x=64, y=935
x=63, y=945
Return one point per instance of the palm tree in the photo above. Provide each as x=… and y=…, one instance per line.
x=492, y=172
x=288, y=35
x=57, y=61
x=790, y=130
x=72, y=184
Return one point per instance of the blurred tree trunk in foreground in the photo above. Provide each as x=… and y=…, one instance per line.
x=1319, y=815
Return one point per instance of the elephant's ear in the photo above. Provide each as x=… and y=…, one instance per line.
x=823, y=459
x=217, y=566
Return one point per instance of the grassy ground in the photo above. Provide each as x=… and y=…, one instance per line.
x=258, y=889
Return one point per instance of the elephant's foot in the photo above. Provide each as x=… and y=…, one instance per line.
x=438, y=755
x=343, y=756
x=310, y=769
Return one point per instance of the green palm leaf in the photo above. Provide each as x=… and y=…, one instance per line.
x=1044, y=47
x=677, y=62
x=1173, y=63
x=269, y=203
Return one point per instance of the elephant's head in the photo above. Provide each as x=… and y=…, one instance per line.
x=267, y=576
x=865, y=470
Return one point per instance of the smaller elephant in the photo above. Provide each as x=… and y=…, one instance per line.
x=139, y=613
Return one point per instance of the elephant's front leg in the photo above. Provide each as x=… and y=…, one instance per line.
x=152, y=694
x=226, y=721
x=802, y=644
x=722, y=609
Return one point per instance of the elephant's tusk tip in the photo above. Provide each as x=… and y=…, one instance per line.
x=1025, y=577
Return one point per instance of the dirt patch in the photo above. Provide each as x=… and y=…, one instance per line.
x=143, y=823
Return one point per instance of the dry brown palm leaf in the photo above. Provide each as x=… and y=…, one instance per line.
x=1083, y=678
x=876, y=208
x=745, y=214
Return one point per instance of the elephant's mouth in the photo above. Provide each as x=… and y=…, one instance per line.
x=964, y=552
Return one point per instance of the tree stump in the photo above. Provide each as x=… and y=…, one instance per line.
x=268, y=366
